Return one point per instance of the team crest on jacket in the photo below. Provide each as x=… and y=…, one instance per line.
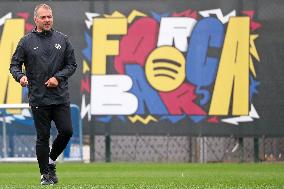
x=58, y=46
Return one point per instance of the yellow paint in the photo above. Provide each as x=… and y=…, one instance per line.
x=102, y=47
x=253, y=53
x=251, y=66
x=86, y=67
x=115, y=14
x=134, y=14
x=253, y=50
x=12, y=32
x=145, y=121
x=233, y=73
x=163, y=83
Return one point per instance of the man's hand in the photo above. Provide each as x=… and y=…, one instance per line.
x=24, y=81
x=52, y=82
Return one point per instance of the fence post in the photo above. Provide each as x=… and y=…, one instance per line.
x=108, y=148
x=92, y=142
x=256, y=149
x=4, y=135
x=241, y=143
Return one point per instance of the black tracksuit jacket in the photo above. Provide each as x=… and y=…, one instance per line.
x=44, y=55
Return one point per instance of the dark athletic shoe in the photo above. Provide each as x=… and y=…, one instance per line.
x=45, y=180
x=52, y=173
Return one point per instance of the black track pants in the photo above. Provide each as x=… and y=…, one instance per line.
x=43, y=115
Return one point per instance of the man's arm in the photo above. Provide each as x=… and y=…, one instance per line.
x=17, y=63
x=70, y=64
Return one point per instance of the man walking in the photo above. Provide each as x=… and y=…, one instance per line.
x=49, y=61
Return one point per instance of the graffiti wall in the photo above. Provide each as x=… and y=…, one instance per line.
x=164, y=67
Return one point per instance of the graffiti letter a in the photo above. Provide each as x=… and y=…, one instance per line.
x=10, y=91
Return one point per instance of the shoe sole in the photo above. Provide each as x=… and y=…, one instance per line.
x=43, y=184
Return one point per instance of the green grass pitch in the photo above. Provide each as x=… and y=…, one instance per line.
x=148, y=176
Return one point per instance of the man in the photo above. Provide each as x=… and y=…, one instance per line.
x=49, y=61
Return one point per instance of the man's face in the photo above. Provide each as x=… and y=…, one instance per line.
x=44, y=19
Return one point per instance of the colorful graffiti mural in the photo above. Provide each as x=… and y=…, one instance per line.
x=166, y=70
x=196, y=64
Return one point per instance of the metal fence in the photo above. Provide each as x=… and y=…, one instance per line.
x=18, y=135
x=189, y=149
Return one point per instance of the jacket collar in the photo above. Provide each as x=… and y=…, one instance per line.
x=43, y=33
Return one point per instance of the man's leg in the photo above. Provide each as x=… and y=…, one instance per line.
x=62, y=119
x=42, y=120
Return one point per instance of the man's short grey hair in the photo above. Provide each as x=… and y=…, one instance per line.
x=39, y=6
